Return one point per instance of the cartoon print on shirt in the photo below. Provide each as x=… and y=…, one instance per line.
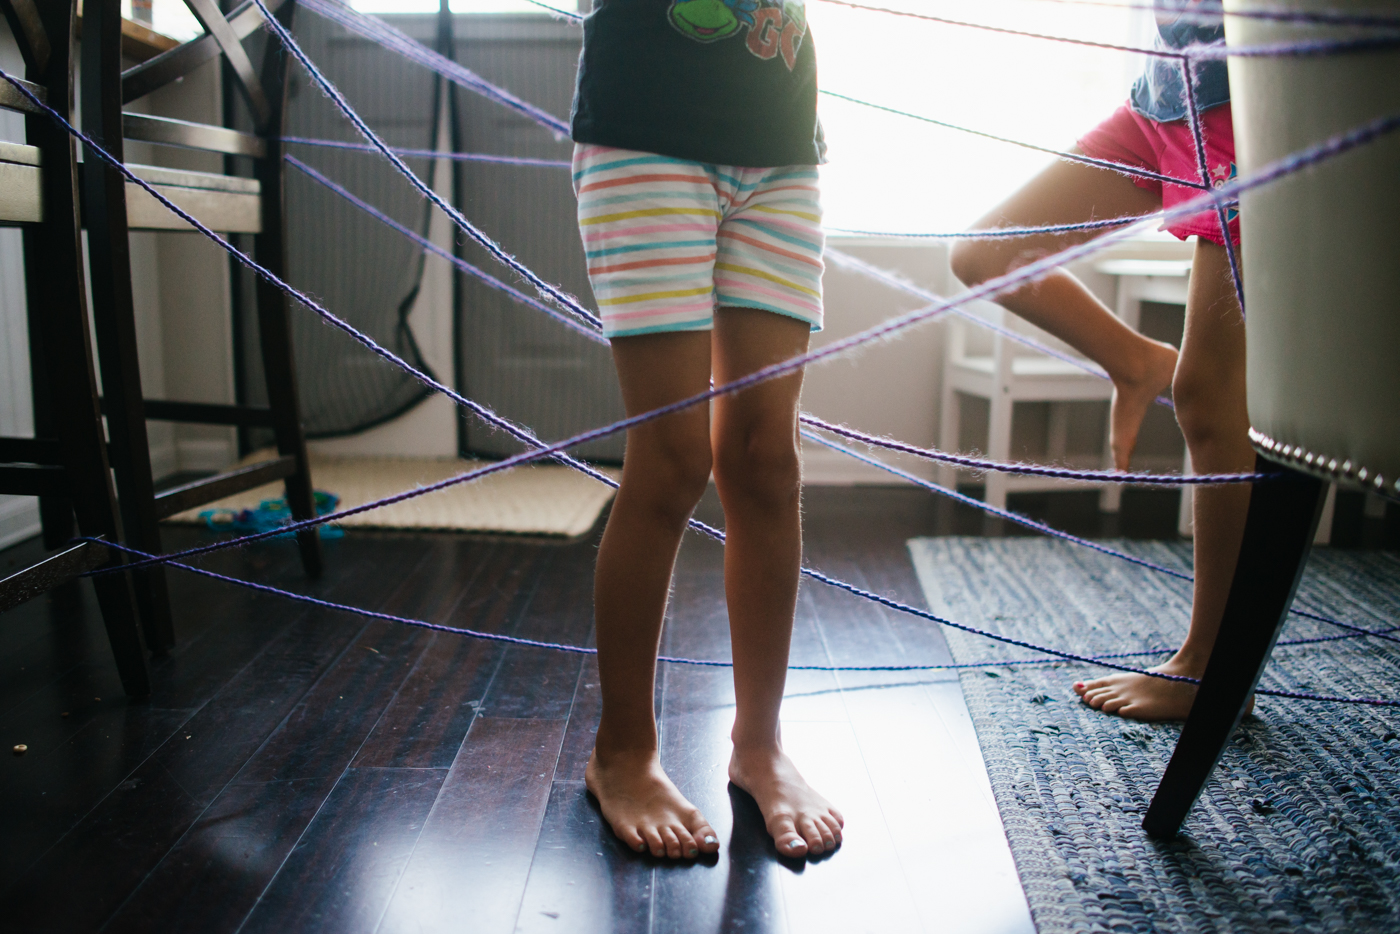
x=776, y=27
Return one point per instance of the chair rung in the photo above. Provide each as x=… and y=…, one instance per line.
x=37, y=480
x=50, y=573
x=206, y=413
x=171, y=132
x=177, y=500
x=12, y=99
x=30, y=451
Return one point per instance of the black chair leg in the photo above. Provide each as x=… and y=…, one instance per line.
x=275, y=335
x=114, y=317
x=275, y=331
x=1283, y=516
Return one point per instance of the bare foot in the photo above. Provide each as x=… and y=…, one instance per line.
x=644, y=808
x=801, y=822
x=1133, y=397
x=1139, y=697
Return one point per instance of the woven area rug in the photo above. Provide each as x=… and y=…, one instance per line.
x=1299, y=827
x=547, y=500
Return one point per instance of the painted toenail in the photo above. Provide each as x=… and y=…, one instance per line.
x=711, y=839
x=794, y=844
x=692, y=852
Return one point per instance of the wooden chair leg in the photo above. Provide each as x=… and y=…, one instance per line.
x=279, y=366
x=1278, y=535
x=275, y=332
x=114, y=317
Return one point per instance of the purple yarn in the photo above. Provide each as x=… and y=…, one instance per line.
x=1102, y=660
x=1193, y=114
x=1293, y=162
x=1119, y=167
x=1053, y=532
x=1215, y=51
x=1212, y=10
x=480, y=274
x=546, y=289
x=431, y=153
x=998, y=233
x=1314, y=47
x=1038, y=470
x=381, y=33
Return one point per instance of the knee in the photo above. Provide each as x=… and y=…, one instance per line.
x=759, y=466
x=677, y=468
x=972, y=262
x=1206, y=408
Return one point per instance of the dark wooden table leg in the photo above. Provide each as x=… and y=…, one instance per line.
x=1283, y=515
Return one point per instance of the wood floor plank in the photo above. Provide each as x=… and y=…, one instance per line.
x=127, y=833
x=474, y=854
x=327, y=728
x=582, y=879
x=212, y=878
x=817, y=894
x=584, y=715
x=484, y=589
x=738, y=887
x=343, y=871
x=47, y=794
x=284, y=804
x=540, y=682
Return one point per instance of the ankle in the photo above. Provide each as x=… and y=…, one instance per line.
x=754, y=753
x=620, y=747
x=1187, y=661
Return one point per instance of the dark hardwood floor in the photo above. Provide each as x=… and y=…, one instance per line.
x=298, y=769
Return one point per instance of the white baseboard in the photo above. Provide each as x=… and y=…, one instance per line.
x=205, y=454
x=19, y=519
x=826, y=467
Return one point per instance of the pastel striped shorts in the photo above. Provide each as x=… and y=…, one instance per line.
x=669, y=240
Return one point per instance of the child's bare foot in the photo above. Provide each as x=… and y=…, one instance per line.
x=644, y=808
x=1132, y=398
x=801, y=822
x=1139, y=697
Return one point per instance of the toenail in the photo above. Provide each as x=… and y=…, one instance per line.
x=711, y=839
x=794, y=844
x=692, y=852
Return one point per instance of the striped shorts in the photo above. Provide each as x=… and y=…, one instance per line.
x=669, y=240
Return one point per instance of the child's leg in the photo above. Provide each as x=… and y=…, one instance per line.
x=1070, y=193
x=1209, y=391
x=758, y=474
x=663, y=476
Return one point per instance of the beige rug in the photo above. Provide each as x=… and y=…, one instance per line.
x=548, y=500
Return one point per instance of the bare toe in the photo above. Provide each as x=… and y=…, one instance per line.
x=645, y=809
x=688, y=848
x=705, y=838
x=792, y=810
x=808, y=828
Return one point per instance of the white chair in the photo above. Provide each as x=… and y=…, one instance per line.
x=1006, y=375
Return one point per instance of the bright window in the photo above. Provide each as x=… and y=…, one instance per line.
x=892, y=173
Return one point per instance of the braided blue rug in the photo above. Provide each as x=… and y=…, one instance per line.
x=1298, y=829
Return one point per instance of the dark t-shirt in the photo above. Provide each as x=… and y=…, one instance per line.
x=732, y=82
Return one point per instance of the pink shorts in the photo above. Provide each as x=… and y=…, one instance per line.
x=1169, y=149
